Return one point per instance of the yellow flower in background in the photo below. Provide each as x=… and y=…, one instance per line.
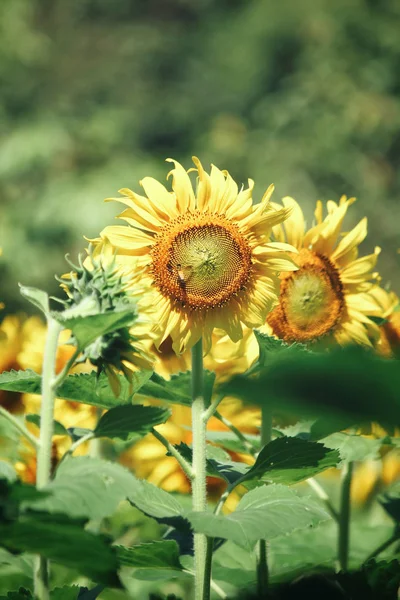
x=207, y=256
x=15, y=332
x=330, y=294
x=389, y=341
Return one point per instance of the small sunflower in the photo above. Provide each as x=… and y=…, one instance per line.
x=207, y=257
x=330, y=294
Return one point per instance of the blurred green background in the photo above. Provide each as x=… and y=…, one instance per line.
x=94, y=94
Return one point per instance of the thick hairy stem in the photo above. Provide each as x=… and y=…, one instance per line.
x=262, y=564
x=199, y=499
x=43, y=472
x=344, y=517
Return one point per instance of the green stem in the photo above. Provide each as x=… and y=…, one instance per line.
x=344, y=517
x=212, y=409
x=186, y=467
x=43, y=475
x=75, y=445
x=248, y=445
x=262, y=563
x=67, y=367
x=199, y=498
x=20, y=426
x=321, y=493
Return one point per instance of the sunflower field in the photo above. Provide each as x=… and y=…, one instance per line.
x=200, y=378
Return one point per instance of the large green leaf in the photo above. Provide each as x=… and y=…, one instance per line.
x=163, y=555
x=348, y=383
x=271, y=347
x=177, y=389
x=126, y=421
x=83, y=387
x=263, y=513
x=230, y=441
x=63, y=541
x=353, y=447
x=86, y=487
x=86, y=329
x=289, y=460
x=155, y=502
x=67, y=592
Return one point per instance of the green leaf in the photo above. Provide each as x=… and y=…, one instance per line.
x=348, y=383
x=240, y=578
x=163, y=555
x=82, y=387
x=58, y=428
x=353, y=447
x=125, y=421
x=155, y=502
x=36, y=297
x=324, y=426
x=7, y=472
x=289, y=460
x=177, y=389
x=270, y=347
x=63, y=541
x=87, y=329
x=86, y=487
x=217, y=465
x=67, y=592
x=263, y=513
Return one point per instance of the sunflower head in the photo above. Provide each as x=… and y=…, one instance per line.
x=330, y=296
x=205, y=254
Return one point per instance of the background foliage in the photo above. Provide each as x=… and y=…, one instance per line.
x=95, y=94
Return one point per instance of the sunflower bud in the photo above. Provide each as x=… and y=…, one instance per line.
x=96, y=287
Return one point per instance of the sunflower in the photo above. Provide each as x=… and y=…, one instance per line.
x=329, y=296
x=389, y=341
x=207, y=257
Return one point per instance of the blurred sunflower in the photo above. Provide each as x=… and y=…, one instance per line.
x=15, y=332
x=329, y=296
x=207, y=257
x=389, y=341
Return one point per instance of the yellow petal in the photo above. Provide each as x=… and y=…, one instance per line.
x=351, y=240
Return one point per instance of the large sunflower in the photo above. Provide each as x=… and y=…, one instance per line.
x=330, y=294
x=207, y=256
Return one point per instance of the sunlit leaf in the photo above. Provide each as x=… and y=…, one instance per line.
x=7, y=471
x=37, y=297
x=63, y=541
x=353, y=447
x=86, y=487
x=177, y=389
x=126, y=421
x=86, y=329
x=263, y=513
x=162, y=555
x=83, y=387
x=289, y=460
